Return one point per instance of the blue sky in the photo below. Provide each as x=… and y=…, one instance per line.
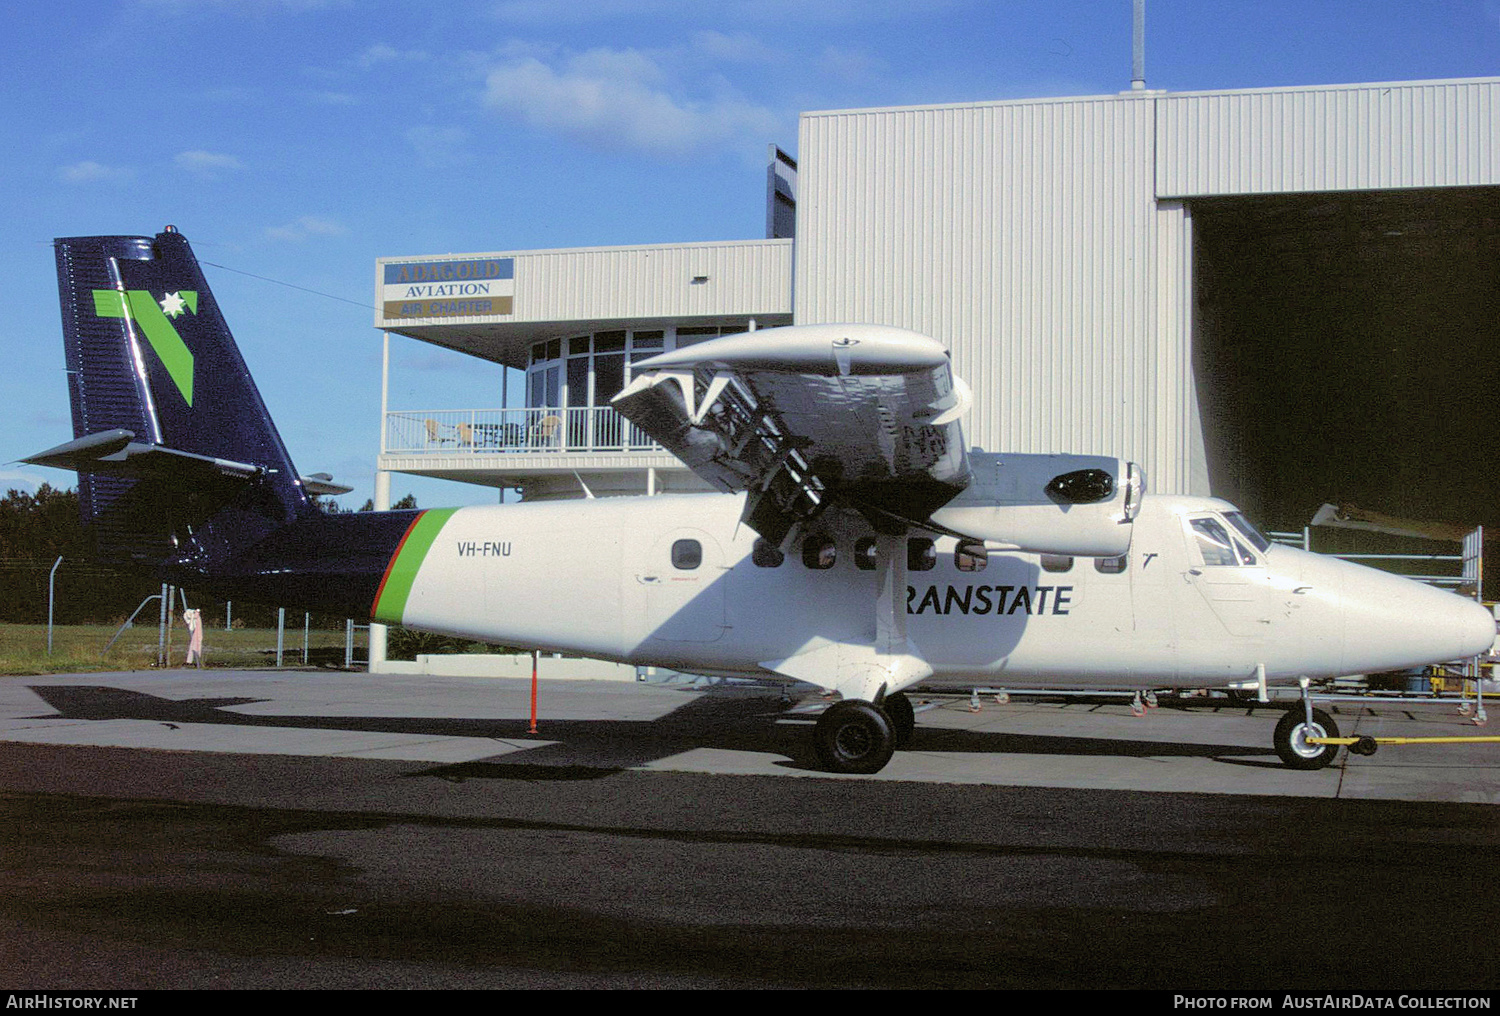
x=299, y=140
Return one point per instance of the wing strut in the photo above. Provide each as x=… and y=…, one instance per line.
x=869, y=671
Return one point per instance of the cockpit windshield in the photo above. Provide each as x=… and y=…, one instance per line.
x=1217, y=546
x=1248, y=530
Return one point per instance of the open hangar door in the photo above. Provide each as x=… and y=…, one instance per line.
x=1347, y=350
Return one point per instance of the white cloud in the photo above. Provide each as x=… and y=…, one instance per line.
x=851, y=65
x=249, y=7
x=94, y=172
x=738, y=48
x=206, y=163
x=380, y=53
x=625, y=99
x=304, y=228
x=783, y=13
x=335, y=99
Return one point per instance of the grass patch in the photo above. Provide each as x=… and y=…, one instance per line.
x=77, y=648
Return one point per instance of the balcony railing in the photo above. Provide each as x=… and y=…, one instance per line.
x=493, y=431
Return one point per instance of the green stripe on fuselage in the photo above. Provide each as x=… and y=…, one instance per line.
x=390, y=607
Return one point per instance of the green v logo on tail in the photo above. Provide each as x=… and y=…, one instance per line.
x=140, y=306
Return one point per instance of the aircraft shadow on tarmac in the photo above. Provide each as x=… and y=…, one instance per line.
x=732, y=719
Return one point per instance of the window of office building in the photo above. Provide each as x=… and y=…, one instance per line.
x=589, y=370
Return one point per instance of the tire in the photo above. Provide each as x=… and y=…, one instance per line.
x=1291, y=747
x=902, y=716
x=854, y=737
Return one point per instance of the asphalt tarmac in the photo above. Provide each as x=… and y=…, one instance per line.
x=327, y=830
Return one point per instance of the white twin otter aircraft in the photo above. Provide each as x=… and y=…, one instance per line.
x=858, y=544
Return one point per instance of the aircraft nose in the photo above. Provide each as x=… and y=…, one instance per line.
x=1480, y=629
x=1393, y=623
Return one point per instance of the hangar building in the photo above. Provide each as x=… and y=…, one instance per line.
x=1281, y=296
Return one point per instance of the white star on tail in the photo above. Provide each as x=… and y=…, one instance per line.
x=173, y=304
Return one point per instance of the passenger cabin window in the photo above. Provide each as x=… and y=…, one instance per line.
x=1056, y=563
x=866, y=553
x=819, y=553
x=921, y=554
x=765, y=554
x=1110, y=565
x=686, y=554
x=970, y=556
x=1214, y=543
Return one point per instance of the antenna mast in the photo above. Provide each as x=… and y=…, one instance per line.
x=1138, y=48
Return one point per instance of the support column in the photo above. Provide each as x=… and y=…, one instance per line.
x=378, y=631
x=382, y=490
x=385, y=392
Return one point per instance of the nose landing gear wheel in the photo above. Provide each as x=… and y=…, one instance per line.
x=1291, y=737
x=854, y=737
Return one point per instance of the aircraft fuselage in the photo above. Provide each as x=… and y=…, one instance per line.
x=600, y=578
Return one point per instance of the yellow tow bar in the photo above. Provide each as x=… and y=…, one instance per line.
x=1367, y=745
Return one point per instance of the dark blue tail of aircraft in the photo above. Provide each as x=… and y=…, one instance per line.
x=150, y=356
x=181, y=471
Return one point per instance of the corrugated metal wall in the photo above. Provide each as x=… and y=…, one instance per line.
x=1024, y=236
x=1029, y=238
x=604, y=283
x=1420, y=134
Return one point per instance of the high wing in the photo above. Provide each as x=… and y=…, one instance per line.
x=808, y=416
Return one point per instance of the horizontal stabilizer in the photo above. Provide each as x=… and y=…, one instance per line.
x=322, y=484
x=1349, y=517
x=117, y=453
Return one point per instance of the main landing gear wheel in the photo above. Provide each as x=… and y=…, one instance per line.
x=854, y=737
x=902, y=716
x=1291, y=737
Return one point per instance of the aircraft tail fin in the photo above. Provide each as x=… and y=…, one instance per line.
x=170, y=432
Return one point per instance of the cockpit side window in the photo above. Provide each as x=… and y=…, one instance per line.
x=1214, y=543
x=1247, y=529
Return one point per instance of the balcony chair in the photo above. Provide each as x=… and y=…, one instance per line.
x=546, y=432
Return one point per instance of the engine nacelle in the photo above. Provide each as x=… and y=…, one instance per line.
x=1078, y=505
